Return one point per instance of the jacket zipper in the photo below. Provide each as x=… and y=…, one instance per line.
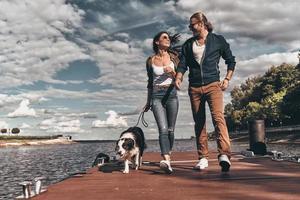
x=201, y=64
x=218, y=71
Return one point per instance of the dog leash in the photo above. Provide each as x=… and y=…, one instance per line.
x=141, y=116
x=166, y=96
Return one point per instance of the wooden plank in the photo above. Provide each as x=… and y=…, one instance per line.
x=249, y=178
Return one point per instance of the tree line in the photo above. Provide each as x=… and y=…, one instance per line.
x=274, y=97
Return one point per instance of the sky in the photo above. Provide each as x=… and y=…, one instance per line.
x=77, y=67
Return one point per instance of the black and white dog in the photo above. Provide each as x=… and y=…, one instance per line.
x=130, y=147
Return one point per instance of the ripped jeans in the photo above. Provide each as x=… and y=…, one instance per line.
x=165, y=118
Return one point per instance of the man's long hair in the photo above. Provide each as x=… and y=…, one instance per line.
x=202, y=18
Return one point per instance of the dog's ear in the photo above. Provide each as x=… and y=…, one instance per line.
x=117, y=145
x=128, y=144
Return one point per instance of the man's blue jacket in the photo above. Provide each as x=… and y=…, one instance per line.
x=208, y=70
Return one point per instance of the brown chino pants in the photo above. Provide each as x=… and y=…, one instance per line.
x=213, y=94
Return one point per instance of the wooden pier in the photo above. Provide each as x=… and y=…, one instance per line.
x=255, y=178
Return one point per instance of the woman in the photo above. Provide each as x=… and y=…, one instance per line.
x=162, y=95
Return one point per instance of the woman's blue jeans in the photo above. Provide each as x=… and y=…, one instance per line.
x=165, y=118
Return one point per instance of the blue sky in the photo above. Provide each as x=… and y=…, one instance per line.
x=73, y=67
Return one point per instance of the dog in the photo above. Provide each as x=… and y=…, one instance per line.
x=130, y=147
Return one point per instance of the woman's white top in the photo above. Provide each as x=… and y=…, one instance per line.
x=198, y=51
x=160, y=78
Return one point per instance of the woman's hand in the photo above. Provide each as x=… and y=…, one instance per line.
x=147, y=107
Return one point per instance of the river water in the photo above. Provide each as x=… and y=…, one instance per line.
x=57, y=162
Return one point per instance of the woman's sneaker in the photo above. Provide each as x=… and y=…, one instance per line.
x=166, y=166
x=202, y=164
x=224, y=163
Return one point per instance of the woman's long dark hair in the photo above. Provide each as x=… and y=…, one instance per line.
x=173, y=40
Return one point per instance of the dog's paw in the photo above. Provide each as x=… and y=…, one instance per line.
x=125, y=171
x=135, y=166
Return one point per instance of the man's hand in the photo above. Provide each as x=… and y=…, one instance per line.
x=224, y=84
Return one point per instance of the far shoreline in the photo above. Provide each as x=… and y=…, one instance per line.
x=16, y=140
x=19, y=140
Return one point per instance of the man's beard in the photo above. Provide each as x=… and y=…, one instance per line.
x=196, y=34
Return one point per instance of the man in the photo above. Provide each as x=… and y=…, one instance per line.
x=201, y=55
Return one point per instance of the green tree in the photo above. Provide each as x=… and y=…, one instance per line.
x=273, y=97
x=254, y=111
x=271, y=107
x=290, y=105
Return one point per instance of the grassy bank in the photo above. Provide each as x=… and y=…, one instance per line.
x=14, y=140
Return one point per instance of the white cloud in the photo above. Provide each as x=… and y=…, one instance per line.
x=113, y=120
x=23, y=110
x=33, y=43
x=124, y=36
x=260, y=64
x=118, y=45
x=119, y=62
x=106, y=20
x=43, y=99
x=271, y=21
x=147, y=44
x=47, y=122
x=3, y=124
x=25, y=126
x=85, y=115
x=61, y=125
x=8, y=99
x=9, y=102
x=115, y=46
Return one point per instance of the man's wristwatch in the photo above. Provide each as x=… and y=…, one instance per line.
x=227, y=79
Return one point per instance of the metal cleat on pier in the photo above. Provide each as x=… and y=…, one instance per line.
x=38, y=185
x=27, y=191
x=277, y=155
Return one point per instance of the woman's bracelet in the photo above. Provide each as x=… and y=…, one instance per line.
x=227, y=79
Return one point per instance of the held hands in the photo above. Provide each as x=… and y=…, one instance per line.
x=168, y=69
x=224, y=84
